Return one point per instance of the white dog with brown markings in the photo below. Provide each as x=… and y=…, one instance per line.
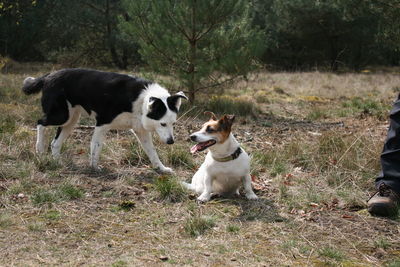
x=226, y=166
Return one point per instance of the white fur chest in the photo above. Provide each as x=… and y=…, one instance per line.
x=227, y=176
x=237, y=167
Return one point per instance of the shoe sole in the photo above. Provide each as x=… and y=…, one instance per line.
x=382, y=210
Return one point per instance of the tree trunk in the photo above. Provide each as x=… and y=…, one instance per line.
x=334, y=54
x=124, y=59
x=191, y=97
x=192, y=63
x=192, y=82
x=111, y=40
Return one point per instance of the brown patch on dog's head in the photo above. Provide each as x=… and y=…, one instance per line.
x=225, y=123
x=220, y=128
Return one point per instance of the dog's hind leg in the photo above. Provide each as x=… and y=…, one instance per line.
x=237, y=192
x=48, y=120
x=55, y=110
x=96, y=144
x=40, y=139
x=64, y=131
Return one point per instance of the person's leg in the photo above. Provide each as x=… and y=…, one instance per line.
x=386, y=201
x=390, y=157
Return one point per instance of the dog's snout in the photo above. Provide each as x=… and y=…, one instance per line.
x=193, y=137
x=170, y=141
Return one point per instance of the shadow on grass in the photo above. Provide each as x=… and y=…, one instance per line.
x=250, y=210
x=103, y=173
x=262, y=209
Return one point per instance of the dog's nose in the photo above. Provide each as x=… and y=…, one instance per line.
x=193, y=137
x=170, y=141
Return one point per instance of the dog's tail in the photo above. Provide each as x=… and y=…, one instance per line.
x=32, y=85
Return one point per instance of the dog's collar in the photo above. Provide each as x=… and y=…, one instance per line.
x=232, y=156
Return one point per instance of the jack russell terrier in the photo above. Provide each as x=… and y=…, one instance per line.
x=226, y=166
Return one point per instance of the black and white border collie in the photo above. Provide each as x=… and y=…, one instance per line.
x=117, y=101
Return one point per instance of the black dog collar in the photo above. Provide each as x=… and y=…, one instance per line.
x=233, y=156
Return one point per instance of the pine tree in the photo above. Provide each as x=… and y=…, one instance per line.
x=203, y=43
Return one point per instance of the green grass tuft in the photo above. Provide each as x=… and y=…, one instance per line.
x=119, y=263
x=367, y=106
x=394, y=263
x=229, y=105
x=14, y=172
x=126, y=205
x=279, y=168
x=231, y=228
x=46, y=163
x=5, y=220
x=7, y=124
x=179, y=156
x=316, y=114
x=52, y=215
x=36, y=227
x=382, y=243
x=261, y=161
x=169, y=188
x=331, y=253
x=70, y=192
x=43, y=196
x=198, y=225
x=63, y=192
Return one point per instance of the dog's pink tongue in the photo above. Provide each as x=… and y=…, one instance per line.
x=195, y=148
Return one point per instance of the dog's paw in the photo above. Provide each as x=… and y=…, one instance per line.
x=203, y=198
x=251, y=196
x=200, y=202
x=96, y=168
x=164, y=170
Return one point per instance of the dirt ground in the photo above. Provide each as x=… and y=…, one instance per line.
x=315, y=140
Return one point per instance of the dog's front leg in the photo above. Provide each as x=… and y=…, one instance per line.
x=206, y=195
x=247, y=188
x=146, y=141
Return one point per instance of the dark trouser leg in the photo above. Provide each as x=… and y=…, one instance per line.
x=390, y=157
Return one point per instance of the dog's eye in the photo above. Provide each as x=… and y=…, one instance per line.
x=209, y=129
x=163, y=124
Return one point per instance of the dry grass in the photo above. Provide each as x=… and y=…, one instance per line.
x=315, y=150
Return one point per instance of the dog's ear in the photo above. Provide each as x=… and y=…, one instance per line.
x=174, y=101
x=230, y=118
x=226, y=121
x=211, y=114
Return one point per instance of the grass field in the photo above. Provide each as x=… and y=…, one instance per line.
x=315, y=140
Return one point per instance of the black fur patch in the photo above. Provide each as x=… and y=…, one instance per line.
x=59, y=129
x=107, y=94
x=157, y=109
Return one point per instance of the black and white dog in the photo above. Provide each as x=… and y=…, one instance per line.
x=117, y=101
